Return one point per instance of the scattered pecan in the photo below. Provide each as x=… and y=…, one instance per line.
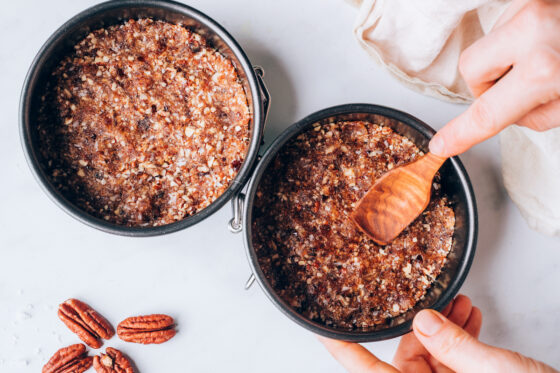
x=71, y=359
x=85, y=322
x=146, y=329
x=113, y=361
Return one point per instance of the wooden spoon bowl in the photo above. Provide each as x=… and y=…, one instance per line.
x=396, y=199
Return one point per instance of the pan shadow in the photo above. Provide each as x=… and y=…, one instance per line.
x=283, y=102
x=491, y=195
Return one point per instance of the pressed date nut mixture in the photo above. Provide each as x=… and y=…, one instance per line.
x=144, y=123
x=310, y=251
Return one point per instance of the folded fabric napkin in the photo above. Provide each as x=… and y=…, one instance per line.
x=420, y=42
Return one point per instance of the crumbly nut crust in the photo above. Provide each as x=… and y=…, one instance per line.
x=144, y=124
x=315, y=258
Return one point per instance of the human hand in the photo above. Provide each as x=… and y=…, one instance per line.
x=438, y=344
x=514, y=74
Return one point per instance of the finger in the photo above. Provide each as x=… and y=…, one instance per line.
x=416, y=364
x=411, y=356
x=439, y=367
x=489, y=58
x=456, y=349
x=355, y=358
x=512, y=9
x=531, y=83
x=474, y=323
x=449, y=343
x=448, y=308
x=543, y=117
x=461, y=310
x=493, y=55
x=459, y=314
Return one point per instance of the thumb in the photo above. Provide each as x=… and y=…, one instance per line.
x=458, y=350
x=450, y=344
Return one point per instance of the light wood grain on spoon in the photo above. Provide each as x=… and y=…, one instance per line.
x=396, y=199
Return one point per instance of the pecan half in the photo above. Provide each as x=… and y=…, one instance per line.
x=146, y=329
x=113, y=361
x=85, y=322
x=71, y=359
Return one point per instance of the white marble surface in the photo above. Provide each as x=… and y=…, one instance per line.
x=197, y=275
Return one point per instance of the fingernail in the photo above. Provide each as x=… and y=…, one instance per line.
x=437, y=145
x=428, y=322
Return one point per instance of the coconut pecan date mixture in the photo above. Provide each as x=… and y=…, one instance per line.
x=315, y=258
x=144, y=124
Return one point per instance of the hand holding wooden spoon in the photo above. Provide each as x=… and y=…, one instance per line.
x=514, y=74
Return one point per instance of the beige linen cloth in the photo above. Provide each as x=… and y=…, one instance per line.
x=419, y=42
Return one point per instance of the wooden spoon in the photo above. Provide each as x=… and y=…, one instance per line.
x=396, y=199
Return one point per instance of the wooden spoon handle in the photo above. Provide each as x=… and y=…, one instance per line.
x=429, y=164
